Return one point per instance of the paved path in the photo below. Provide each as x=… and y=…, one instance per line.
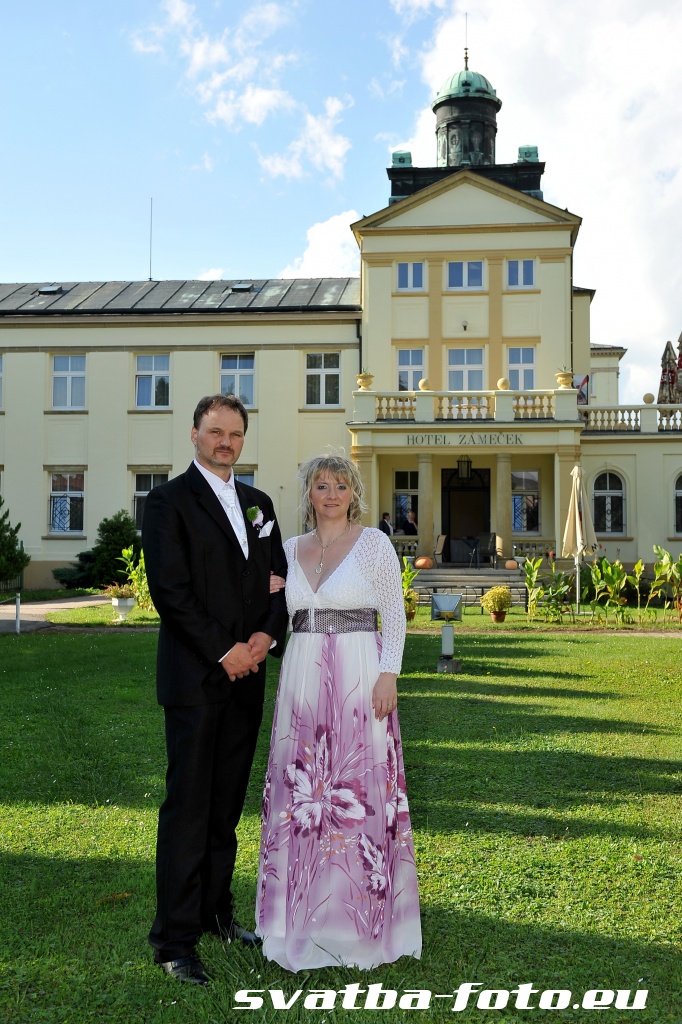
x=33, y=612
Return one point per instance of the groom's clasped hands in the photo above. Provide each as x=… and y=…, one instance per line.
x=246, y=657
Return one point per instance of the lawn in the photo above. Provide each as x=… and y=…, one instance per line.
x=544, y=782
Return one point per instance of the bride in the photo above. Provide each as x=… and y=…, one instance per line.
x=337, y=882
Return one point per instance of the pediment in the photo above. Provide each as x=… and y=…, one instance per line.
x=465, y=200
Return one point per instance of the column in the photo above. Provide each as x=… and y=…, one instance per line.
x=425, y=524
x=365, y=461
x=503, y=507
x=565, y=458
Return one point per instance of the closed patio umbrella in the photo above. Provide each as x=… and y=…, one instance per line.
x=579, y=535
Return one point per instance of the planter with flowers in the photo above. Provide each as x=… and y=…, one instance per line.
x=122, y=599
x=497, y=601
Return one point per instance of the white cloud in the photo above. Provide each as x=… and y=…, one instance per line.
x=573, y=82
x=397, y=50
x=140, y=46
x=204, y=53
x=411, y=9
x=214, y=274
x=384, y=92
x=317, y=144
x=236, y=80
x=252, y=106
x=331, y=250
x=180, y=14
x=207, y=164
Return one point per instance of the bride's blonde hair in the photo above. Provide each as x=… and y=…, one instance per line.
x=340, y=467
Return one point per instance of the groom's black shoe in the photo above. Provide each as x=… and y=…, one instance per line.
x=186, y=968
x=232, y=931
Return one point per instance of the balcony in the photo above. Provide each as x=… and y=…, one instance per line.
x=512, y=407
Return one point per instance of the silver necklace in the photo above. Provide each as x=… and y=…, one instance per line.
x=318, y=568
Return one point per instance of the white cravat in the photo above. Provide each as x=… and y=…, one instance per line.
x=228, y=499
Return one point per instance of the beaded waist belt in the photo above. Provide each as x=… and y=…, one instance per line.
x=336, y=620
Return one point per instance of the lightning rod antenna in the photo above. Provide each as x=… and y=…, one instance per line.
x=151, y=221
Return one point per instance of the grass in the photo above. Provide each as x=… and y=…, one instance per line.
x=544, y=784
x=97, y=616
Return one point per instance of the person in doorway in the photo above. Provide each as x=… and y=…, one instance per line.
x=410, y=526
x=385, y=524
x=210, y=545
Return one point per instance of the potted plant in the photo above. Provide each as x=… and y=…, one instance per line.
x=364, y=379
x=564, y=377
x=410, y=596
x=122, y=599
x=497, y=601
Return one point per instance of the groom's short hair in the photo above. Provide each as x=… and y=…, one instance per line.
x=220, y=402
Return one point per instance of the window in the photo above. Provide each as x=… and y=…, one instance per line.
x=410, y=276
x=246, y=478
x=68, y=382
x=465, y=274
x=678, y=504
x=405, y=497
x=609, y=504
x=520, y=273
x=410, y=368
x=66, y=502
x=152, y=382
x=465, y=369
x=525, y=501
x=143, y=485
x=522, y=369
x=322, y=378
x=0, y=382
x=237, y=376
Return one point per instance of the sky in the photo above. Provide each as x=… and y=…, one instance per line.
x=255, y=133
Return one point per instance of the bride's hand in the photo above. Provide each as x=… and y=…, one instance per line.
x=385, y=695
x=276, y=583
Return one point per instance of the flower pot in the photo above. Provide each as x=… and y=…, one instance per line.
x=123, y=605
x=364, y=381
x=564, y=379
x=498, y=616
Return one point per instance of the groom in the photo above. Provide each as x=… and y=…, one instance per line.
x=210, y=545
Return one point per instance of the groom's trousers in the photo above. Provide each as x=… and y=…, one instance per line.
x=210, y=751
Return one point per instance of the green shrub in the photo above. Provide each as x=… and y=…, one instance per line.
x=99, y=567
x=13, y=560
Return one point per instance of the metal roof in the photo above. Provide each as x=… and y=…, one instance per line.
x=50, y=298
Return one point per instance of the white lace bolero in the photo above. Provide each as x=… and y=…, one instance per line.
x=368, y=577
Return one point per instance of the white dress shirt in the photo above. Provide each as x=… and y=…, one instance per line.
x=233, y=510
x=226, y=493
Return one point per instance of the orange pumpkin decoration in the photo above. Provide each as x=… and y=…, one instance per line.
x=423, y=562
x=511, y=563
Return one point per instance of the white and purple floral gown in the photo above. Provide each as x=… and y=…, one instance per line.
x=337, y=882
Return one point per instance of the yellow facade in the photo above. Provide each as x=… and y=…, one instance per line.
x=522, y=441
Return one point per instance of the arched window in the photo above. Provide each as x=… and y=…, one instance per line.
x=678, y=504
x=609, y=503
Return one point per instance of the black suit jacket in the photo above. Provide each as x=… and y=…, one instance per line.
x=208, y=595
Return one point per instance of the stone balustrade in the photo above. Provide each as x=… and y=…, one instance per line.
x=511, y=406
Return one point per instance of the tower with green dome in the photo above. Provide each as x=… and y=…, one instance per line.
x=466, y=127
x=466, y=120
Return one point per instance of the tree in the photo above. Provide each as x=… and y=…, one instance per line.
x=13, y=560
x=101, y=566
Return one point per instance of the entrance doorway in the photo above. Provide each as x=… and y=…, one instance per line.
x=465, y=511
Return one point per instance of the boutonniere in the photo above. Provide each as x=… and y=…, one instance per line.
x=255, y=516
